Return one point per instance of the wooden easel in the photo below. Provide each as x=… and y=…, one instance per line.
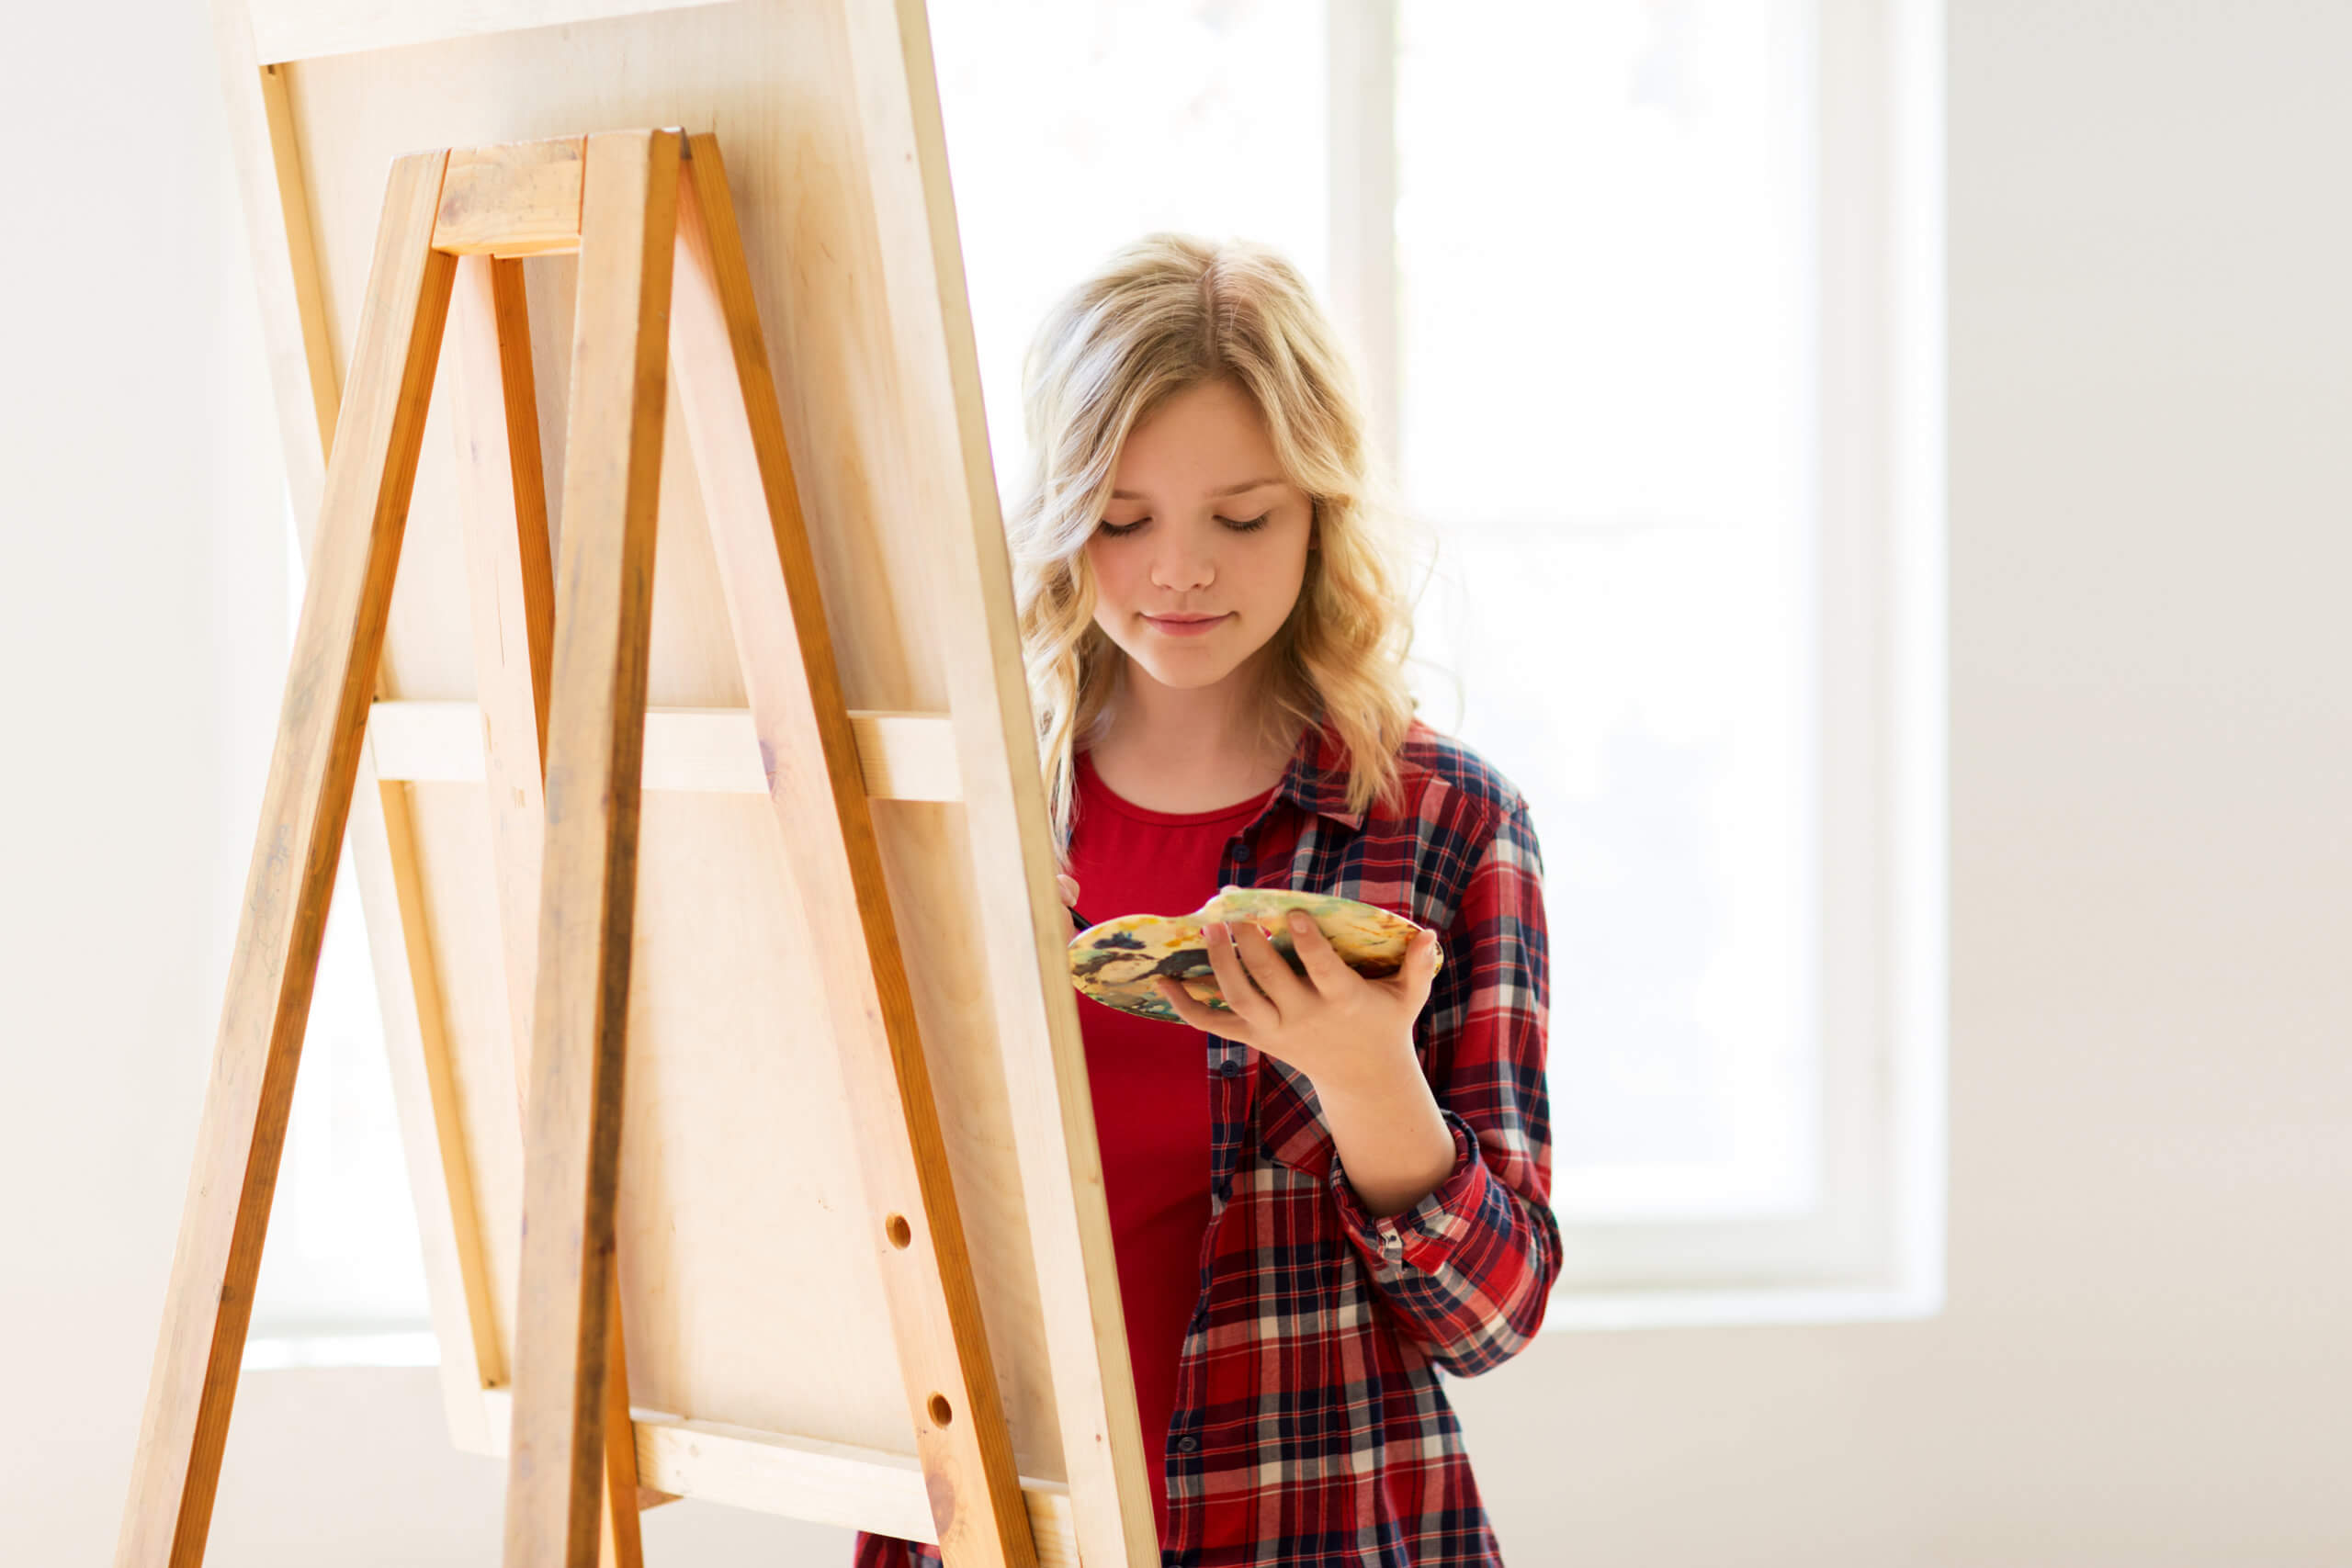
x=562, y=657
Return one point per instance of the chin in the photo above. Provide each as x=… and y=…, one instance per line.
x=1185, y=677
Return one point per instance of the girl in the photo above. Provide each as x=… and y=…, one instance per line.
x=1324, y=1198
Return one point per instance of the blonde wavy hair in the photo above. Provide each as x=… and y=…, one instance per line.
x=1164, y=313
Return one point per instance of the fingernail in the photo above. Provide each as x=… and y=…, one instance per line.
x=1298, y=922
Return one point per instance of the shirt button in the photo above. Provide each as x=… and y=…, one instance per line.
x=1186, y=1445
x=1230, y=1068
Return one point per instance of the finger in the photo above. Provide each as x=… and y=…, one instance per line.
x=1429, y=953
x=1069, y=887
x=1242, y=993
x=1282, y=986
x=1196, y=1013
x=1324, y=965
x=1417, y=970
x=1420, y=967
x=1188, y=1007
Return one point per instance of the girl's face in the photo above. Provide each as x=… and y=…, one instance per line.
x=1192, y=531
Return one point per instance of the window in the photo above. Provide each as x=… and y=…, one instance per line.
x=1676, y=601
x=1648, y=298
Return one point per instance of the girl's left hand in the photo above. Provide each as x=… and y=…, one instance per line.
x=1331, y=1023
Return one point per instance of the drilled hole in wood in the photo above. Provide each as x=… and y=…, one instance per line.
x=901, y=1233
x=940, y=1413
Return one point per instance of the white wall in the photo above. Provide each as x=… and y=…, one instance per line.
x=2145, y=1362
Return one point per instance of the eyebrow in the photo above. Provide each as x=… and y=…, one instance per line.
x=1241, y=488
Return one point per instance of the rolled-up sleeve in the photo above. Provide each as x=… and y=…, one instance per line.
x=1469, y=1270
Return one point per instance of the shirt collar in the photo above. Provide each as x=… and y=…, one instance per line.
x=1317, y=779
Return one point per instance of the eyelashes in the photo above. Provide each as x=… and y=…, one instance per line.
x=1119, y=530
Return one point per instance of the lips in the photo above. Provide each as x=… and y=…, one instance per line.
x=1198, y=626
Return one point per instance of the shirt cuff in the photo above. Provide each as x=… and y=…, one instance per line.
x=1442, y=1214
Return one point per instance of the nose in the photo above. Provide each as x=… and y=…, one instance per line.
x=1182, y=563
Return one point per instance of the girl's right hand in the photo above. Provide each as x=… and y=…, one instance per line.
x=1069, y=887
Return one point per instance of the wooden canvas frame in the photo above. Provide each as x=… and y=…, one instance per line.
x=839, y=176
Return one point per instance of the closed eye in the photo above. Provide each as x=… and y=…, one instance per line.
x=1120, y=530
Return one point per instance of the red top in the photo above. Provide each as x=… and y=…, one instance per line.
x=1150, y=1083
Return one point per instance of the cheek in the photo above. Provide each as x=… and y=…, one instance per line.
x=1105, y=568
x=1277, y=566
x=1113, y=587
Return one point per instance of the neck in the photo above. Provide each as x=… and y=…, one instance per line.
x=1191, y=732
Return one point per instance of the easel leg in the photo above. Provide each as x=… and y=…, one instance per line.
x=503, y=496
x=769, y=575
x=330, y=682
x=595, y=746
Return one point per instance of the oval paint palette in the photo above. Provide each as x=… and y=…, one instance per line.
x=1116, y=961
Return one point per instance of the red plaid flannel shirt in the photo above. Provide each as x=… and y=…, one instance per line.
x=1310, y=1425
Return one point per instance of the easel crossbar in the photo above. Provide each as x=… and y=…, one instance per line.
x=901, y=756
